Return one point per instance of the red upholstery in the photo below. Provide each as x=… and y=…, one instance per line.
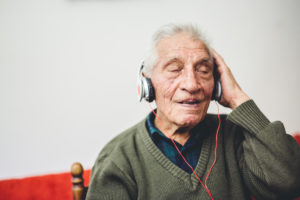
x=297, y=137
x=54, y=186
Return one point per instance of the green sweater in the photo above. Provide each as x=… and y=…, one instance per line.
x=254, y=157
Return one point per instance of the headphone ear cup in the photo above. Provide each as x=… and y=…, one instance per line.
x=217, y=93
x=150, y=95
x=145, y=88
x=214, y=91
x=140, y=89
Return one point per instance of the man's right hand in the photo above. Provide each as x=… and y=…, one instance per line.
x=232, y=94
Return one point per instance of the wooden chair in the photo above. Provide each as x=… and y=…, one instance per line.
x=78, y=190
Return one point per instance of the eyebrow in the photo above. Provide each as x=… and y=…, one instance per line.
x=178, y=59
x=204, y=60
x=172, y=60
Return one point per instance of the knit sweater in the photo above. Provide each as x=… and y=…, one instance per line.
x=254, y=157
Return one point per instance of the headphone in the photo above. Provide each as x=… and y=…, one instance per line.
x=146, y=89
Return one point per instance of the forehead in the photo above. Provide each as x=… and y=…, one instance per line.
x=181, y=45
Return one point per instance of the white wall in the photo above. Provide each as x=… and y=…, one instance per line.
x=68, y=69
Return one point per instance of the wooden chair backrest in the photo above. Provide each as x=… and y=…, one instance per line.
x=78, y=189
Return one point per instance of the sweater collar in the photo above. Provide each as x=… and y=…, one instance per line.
x=172, y=168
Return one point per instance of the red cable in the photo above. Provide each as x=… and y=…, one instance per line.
x=216, y=147
x=165, y=130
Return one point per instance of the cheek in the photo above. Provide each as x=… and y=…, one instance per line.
x=208, y=87
x=164, y=90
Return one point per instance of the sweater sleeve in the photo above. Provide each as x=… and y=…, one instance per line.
x=109, y=182
x=269, y=158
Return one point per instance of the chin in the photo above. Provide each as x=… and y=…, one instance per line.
x=191, y=115
x=190, y=120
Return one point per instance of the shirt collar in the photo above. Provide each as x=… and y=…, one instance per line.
x=151, y=127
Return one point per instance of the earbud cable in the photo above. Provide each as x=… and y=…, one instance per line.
x=169, y=136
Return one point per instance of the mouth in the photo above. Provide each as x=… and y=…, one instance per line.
x=189, y=102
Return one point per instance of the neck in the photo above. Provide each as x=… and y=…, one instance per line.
x=173, y=131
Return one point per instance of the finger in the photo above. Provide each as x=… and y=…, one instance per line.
x=219, y=59
x=221, y=65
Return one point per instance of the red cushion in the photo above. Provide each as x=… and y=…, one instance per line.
x=54, y=186
x=297, y=137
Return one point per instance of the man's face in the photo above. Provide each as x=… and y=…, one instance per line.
x=183, y=80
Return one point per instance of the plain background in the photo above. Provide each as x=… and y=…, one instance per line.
x=68, y=69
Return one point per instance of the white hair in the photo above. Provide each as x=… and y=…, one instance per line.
x=168, y=31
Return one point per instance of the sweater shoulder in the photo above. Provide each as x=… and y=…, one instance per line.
x=214, y=117
x=229, y=130
x=123, y=144
x=212, y=120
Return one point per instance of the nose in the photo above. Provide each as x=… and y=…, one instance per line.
x=189, y=81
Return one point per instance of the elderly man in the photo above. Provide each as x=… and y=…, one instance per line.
x=181, y=152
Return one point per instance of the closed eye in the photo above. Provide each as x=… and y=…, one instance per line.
x=204, y=67
x=174, y=66
x=177, y=69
